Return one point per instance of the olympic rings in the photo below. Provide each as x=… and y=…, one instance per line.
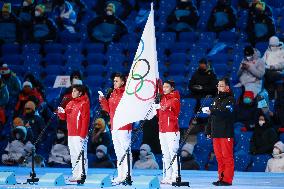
x=141, y=84
x=136, y=90
x=134, y=67
x=142, y=42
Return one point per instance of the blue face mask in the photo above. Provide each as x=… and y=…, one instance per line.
x=247, y=100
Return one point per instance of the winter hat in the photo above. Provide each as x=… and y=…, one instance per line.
x=280, y=146
x=188, y=148
x=274, y=41
x=21, y=130
x=18, y=122
x=100, y=123
x=7, y=8
x=28, y=84
x=31, y=105
x=77, y=82
x=102, y=148
x=260, y=5
x=40, y=8
x=111, y=7
x=249, y=94
x=145, y=147
x=248, y=51
x=4, y=70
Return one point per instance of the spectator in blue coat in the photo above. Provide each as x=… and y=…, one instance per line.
x=4, y=99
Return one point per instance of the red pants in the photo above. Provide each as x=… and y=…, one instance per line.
x=223, y=149
x=2, y=115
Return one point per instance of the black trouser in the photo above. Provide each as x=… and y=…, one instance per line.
x=270, y=79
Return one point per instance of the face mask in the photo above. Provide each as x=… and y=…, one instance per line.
x=25, y=4
x=109, y=13
x=261, y=123
x=143, y=153
x=276, y=151
x=249, y=58
x=60, y=135
x=100, y=155
x=18, y=136
x=247, y=100
x=184, y=154
x=37, y=13
x=273, y=48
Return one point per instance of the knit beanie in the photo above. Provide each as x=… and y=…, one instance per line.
x=280, y=146
x=28, y=84
x=4, y=70
x=145, y=147
x=249, y=94
x=102, y=148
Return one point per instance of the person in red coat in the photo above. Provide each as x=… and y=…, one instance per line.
x=121, y=137
x=169, y=134
x=77, y=116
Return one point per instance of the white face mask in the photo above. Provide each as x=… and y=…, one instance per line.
x=184, y=154
x=249, y=58
x=109, y=13
x=18, y=136
x=274, y=48
x=25, y=4
x=276, y=151
x=37, y=13
x=60, y=135
x=100, y=155
x=261, y=123
x=143, y=153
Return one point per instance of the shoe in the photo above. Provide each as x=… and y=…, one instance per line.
x=74, y=179
x=117, y=181
x=216, y=183
x=222, y=183
x=166, y=181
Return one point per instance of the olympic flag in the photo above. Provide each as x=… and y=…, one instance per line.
x=140, y=89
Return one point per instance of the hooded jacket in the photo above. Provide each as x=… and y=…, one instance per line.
x=274, y=58
x=276, y=164
x=147, y=162
x=189, y=163
x=109, y=105
x=77, y=116
x=168, y=118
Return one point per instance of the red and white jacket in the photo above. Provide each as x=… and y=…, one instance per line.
x=168, y=118
x=77, y=116
x=109, y=105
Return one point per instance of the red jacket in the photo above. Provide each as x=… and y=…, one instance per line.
x=77, y=116
x=109, y=105
x=23, y=98
x=168, y=118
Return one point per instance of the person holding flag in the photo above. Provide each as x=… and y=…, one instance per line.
x=169, y=134
x=122, y=136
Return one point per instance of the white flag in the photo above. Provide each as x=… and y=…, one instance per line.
x=140, y=89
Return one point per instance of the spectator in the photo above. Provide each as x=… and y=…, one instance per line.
x=223, y=17
x=26, y=19
x=79, y=7
x=102, y=158
x=260, y=26
x=107, y=27
x=274, y=63
x=184, y=17
x=276, y=164
x=256, y=5
x=122, y=8
x=101, y=135
x=9, y=25
x=264, y=137
x=35, y=83
x=33, y=122
x=146, y=159
x=11, y=80
x=43, y=28
x=246, y=111
x=187, y=159
x=4, y=99
x=60, y=155
x=65, y=16
x=27, y=93
x=251, y=71
x=203, y=81
x=17, y=150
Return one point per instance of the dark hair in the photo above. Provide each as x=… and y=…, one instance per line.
x=80, y=88
x=74, y=74
x=120, y=75
x=226, y=81
x=171, y=83
x=202, y=61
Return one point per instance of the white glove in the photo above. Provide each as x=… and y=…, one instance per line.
x=156, y=106
x=60, y=110
x=101, y=93
x=205, y=110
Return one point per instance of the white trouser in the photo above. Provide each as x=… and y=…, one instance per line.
x=121, y=141
x=75, y=144
x=169, y=144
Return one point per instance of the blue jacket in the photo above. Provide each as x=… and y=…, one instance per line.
x=4, y=95
x=13, y=84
